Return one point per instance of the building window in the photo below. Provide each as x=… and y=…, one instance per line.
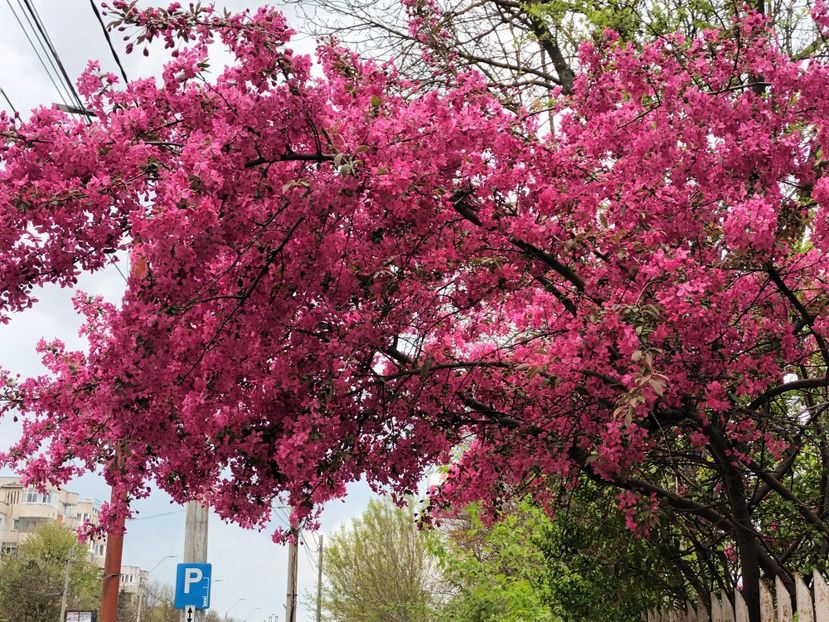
x=33, y=496
x=70, y=511
x=28, y=523
x=8, y=548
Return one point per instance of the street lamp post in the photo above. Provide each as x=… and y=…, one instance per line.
x=159, y=562
x=247, y=617
x=238, y=600
x=141, y=585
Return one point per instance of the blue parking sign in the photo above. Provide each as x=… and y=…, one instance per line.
x=193, y=586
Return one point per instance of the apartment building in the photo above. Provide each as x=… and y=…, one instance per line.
x=22, y=509
x=134, y=579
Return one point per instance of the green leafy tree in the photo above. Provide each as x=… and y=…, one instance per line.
x=599, y=570
x=582, y=565
x=31, y=582
x=379, y=569
x=496, y=572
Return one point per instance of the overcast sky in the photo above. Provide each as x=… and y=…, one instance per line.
x=246, y=565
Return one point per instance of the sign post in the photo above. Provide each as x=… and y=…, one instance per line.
x=192, y=588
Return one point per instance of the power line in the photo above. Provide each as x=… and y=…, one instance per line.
x=307, y=549
x=316, y=539
x=109, y=41
x=44, y=46
x=123, y=276
x=37, y=53
x=157, y=515
x=282, y=514
x=8, y=101
x=42, y=29
x=308, y=557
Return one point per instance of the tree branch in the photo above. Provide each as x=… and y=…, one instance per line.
x=795, y=385
x=807, y=317
x=292, y=157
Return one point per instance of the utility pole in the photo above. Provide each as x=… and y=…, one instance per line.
x=195, y=544
x=65, y=597
x=140, y=596
x=319, y=583
x=112, y=567
x=290, y=607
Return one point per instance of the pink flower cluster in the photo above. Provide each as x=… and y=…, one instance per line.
x=331, y=280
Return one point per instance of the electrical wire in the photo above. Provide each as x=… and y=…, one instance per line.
x=123, y=276
x=304, y=541
x=282, y=514
x=157, y=515
x=37, y=53
x=310, y=558
x=307, y=549
x=8, y=101
x=44, y=46
x=45, y=35
x=109, y=41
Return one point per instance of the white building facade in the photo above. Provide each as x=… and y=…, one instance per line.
x=23, y=508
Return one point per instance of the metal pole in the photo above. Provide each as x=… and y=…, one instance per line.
x=140, y=596
x=112, y=568
x=65, y=597
x=319, y=583
x=195, y=544
x=290, y=607
x=235, y=602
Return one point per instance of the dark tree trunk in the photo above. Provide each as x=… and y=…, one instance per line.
x=744, y=532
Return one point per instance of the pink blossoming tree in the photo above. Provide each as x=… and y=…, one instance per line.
x=331, y=279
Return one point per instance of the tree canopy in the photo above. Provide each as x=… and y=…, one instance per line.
x=352, y=276
x=494, y=572
x=378, y=568
x=581, y=565
x=524, y=49
x=32, y=579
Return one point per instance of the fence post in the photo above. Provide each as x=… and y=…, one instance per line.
x=716, y=610
x=821, y=597
x=740, y=608
x=727, y=609
x=804, y=600
x=766, y=604
x=811, y=604
x=784, y=601
x=690, y=612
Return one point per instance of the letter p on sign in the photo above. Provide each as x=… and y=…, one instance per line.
x=191, y=576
